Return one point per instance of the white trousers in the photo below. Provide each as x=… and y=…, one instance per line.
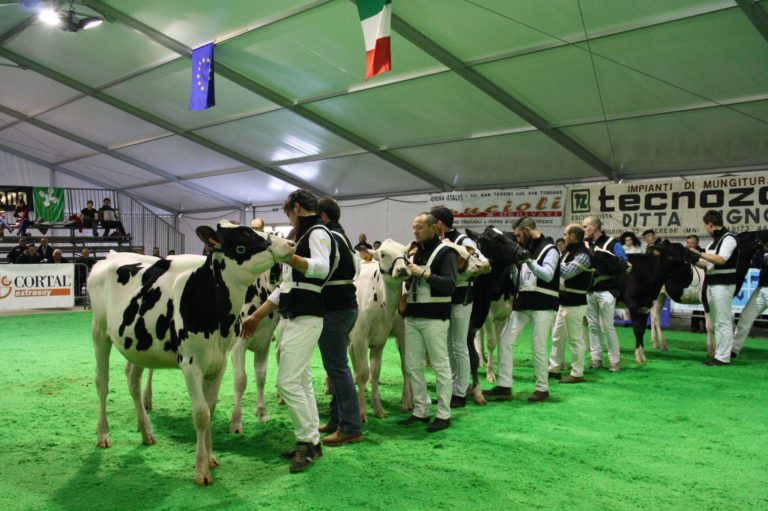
x=457, y=348
x=569, y=326
x=756, y=305
x=600, y=308
x=297, y=339
x=720, y=298
x=424, y=335
x=542, y=326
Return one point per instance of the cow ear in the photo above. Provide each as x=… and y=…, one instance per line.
x=472, y=234
x=376, y=254
x=208, y=236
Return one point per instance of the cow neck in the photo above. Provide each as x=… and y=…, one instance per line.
x=304, y=223
x=425, y=250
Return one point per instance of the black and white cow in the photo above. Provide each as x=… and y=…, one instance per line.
x=180, y=312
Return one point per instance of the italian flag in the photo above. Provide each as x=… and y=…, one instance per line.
x=376, y=17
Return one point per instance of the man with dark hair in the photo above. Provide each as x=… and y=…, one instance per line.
x=428, y=309
x=108, y=216
x=19, y=249
x=561, y=245
x=692, y=242
x=298, y=300
x=720, y=278
x=651, y=240
x=89, y=216
x=575, y=277
x=601, y=298
x=538, y=281
x=29, y=256
x=461, y=310
x=340, y=301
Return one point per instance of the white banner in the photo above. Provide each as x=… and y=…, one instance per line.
x=36, y=286
x=503, y=208
x=673, y=208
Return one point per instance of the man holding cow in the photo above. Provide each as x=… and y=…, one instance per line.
x=298, y=300
x=536, y=301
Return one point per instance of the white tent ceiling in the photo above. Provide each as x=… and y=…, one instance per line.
x=483, y=94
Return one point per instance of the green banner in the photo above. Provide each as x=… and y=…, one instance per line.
x=49, y=204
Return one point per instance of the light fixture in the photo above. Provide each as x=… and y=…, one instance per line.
x=68, y=21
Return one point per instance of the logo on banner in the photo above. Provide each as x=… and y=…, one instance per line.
x=580, y=201
x=6, y=287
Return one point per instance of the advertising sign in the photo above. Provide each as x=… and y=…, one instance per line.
x=36, y=286
x=673, y=208
x=502, y=208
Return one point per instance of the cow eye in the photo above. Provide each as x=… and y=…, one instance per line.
x=240, y=249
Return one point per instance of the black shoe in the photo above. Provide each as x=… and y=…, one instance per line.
x=498, y=393
x=458, y=401
x=734, y=354
x=438, y=424
x=289, y=454
x=410, y=420
x=715, y=362
x=539, y=395
x=305, y=455
x=555, y=376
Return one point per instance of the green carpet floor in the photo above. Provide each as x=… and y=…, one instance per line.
x=673, y=434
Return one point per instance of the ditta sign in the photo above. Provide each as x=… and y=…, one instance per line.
x=36, y=286
x=673, y=208
x=503, y=208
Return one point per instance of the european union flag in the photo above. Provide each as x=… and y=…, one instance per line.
x=202, y=93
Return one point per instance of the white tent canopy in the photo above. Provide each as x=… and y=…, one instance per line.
x=483, y=94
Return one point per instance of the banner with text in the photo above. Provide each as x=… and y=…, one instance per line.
x=10, y=195
x=36, y=286
x=673, y=208
x=502, y=208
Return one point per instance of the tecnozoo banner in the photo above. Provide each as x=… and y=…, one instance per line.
x=502, y=208
x=673, y=208
x=36, y=286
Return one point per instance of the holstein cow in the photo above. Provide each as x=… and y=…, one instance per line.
x=178, y=312
x=258, y=343
x=379, y=287
x=502, y=250
x=640, y=287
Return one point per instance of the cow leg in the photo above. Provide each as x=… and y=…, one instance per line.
x=241, y=382
x=710, y=335
x=493, y=331
x=477, y=345
x=201, y=416
x=133, y=376
x=407, y=399
x=376, y=356
x=102, y=346
x=211, y=392
x=147, y=398
x=260, y=357
x=474, y=362
x=359, y=357
x=639, y=320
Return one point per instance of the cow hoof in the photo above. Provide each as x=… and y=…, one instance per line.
x=363, y=418
x=262, y=418
x=148, y=439
x=380, y=415
x=490, y=377
x=204, y=480
x=212, y=462
x=104, y=443
x=281, y=401
x=236, y=429
x=478, y=396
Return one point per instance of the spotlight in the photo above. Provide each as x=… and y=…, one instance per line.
x=69, y=21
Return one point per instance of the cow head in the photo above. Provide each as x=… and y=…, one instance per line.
x=393, y=259
x=499, y=247
x=606, y=262
x=470, y=264
x=247, y=248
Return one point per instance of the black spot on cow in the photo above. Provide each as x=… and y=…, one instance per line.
x=125, y=272
x=173, y=344
x=263, y=294
x=154, y=272
x=190, y=360
x=375, y=274
x=237, y=329
x=149, y=300
x=164, y=321
x=128, y=342
x=129, y=314
x=198, y=305
x=251, y=292
x=251, y=309
x=375, y=297
x=241, y=243
x=271, y=315
x=143, y=337
x=179, y=358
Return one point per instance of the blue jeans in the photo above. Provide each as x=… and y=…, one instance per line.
x=334, y=341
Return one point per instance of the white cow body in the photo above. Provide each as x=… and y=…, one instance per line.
x=378, y=288
x=179, y=312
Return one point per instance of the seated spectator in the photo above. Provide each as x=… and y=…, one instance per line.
x=21, y=213
x=29, y=256
x=89, y=216
x=83, y=265
x=631, y=243
x=692, y=242
x=560, y=244
x=4, y=225
x=156, y=252
x=16, y=251
x=651, y=240
x=109, y=219
x=58, y=257
x=171, y=252
x=45, y=251
x=376, y=244
x=363, y=242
